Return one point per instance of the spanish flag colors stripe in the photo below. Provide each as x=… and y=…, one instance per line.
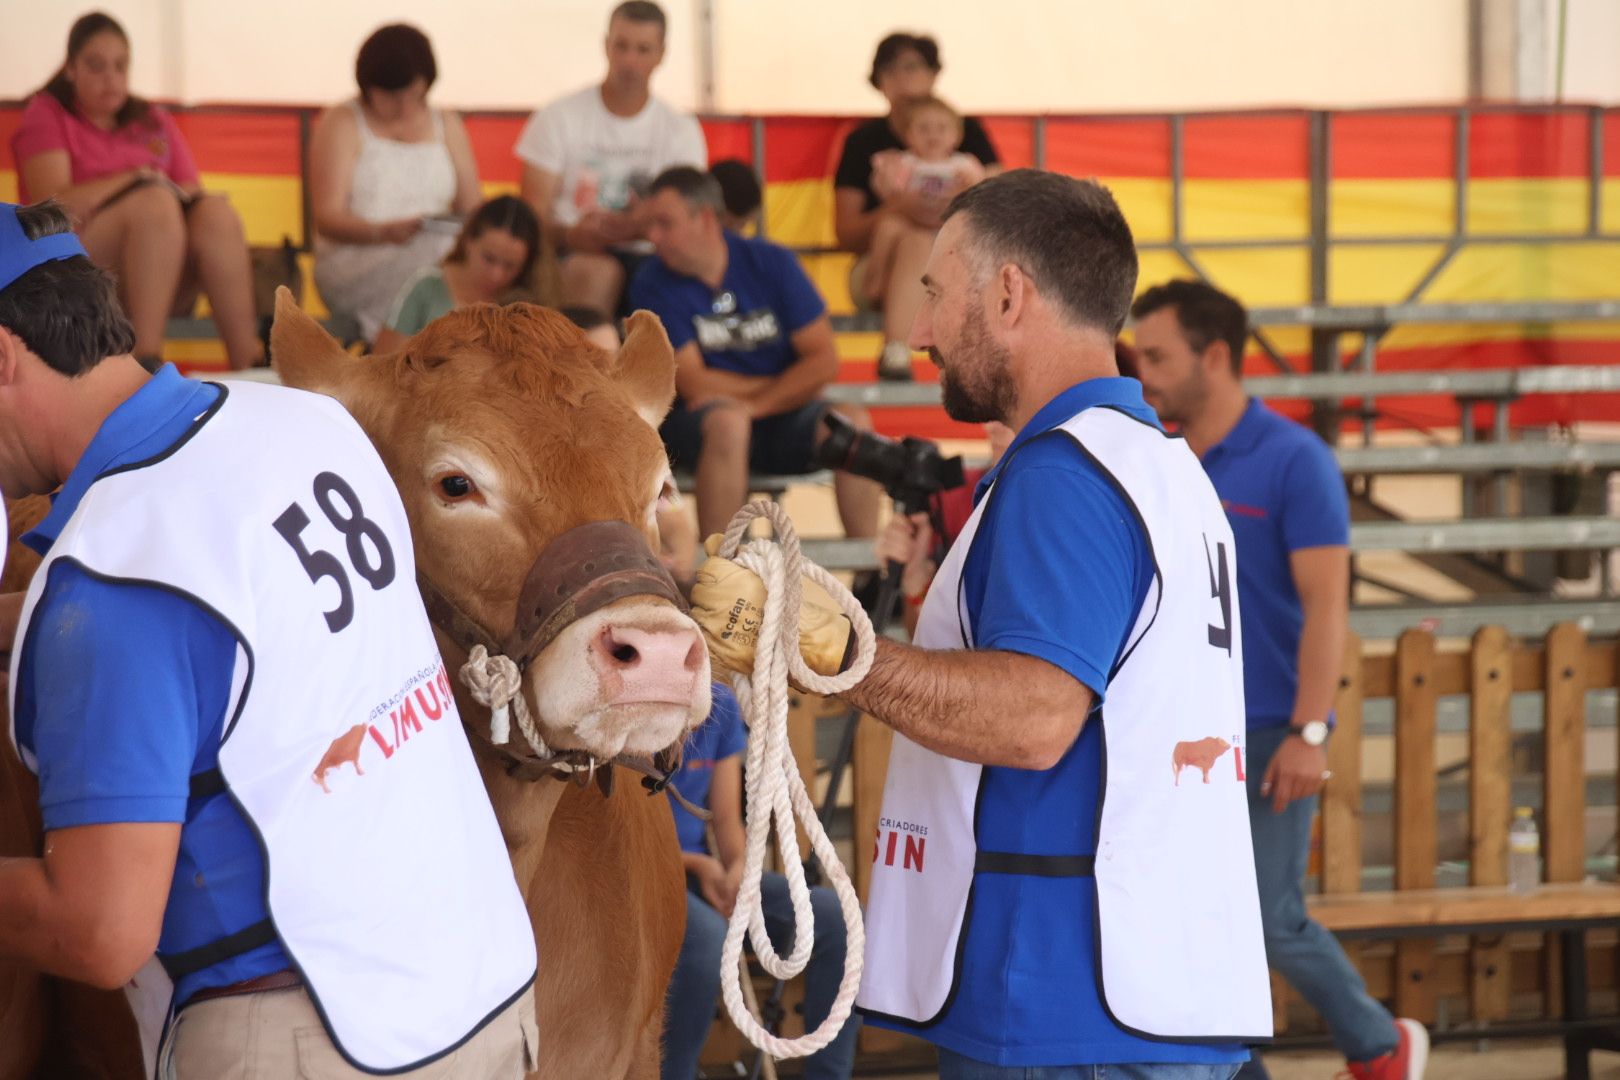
x=1244, y=179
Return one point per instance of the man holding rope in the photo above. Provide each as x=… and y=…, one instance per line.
x=1064, y=877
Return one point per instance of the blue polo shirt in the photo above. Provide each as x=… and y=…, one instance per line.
x=1282, y=491
x=747, y=324
x=1058, y=570
x=719, y=737
x=121, y=696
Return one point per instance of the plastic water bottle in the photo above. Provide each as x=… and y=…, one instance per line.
x=1524, y=853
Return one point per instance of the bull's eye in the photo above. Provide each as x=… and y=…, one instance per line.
x=456, y=486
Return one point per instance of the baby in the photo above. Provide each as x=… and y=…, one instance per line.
x=930, y=168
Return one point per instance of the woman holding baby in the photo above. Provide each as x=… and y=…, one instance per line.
x=895, y=177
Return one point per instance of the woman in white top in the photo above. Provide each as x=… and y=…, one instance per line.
x=390, y=179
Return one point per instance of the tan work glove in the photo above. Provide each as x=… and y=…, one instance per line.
x=728, y=603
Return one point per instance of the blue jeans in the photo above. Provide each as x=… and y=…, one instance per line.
x=953, y=1066
x=695, y=987
x=1299, y=949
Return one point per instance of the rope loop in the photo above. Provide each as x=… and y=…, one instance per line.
x=776, y=792
x=496, y=681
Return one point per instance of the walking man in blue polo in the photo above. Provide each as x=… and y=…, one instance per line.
x=1286, y=502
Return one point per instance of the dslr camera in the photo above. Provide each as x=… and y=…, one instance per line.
x=910, y=469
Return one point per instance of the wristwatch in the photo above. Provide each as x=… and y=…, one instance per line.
x=1314, y=732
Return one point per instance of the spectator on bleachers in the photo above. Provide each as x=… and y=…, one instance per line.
x=598, y=326
x=753, y=350
x=498, y=258
x=903, y=70
x=588, y=157
x=711, y=777
x=390, y=179
x=123, y=171
x=930, y=167
x=740, y=191
x=911, y=540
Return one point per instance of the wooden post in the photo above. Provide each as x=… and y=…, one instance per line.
x=1563, y=802
x=1279, y=1004
x=1415, y=852
x=1341, y=798
x=869, y=765
x=801, y=733
x=1490, y=806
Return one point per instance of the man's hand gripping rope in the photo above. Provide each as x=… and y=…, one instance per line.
x=762, y=621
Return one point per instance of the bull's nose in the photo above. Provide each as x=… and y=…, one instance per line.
x=649, y=665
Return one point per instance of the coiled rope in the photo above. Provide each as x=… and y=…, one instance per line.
x=776, y=792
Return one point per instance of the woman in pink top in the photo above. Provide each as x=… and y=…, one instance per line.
x=123, y=170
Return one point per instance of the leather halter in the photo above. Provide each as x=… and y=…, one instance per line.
x=578, y=573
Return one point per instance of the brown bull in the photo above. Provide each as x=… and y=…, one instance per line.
x=504, y=428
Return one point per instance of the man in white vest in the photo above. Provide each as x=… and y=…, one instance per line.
x=1063, y=878
x=249, y=759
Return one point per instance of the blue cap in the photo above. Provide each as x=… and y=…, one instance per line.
x=18, y=254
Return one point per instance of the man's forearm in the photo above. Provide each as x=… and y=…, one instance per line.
x=731, y=843
x=700, y=387
x=28, y=934
x=799, y=385
x=1321, y=656
x=990, y=707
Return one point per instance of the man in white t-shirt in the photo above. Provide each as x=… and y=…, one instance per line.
x=588, y=157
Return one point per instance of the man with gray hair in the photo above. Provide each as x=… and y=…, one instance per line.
x=1063, y=878
x=753, y=350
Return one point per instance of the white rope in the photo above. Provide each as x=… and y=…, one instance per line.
x=495, y=681
x=776, y=791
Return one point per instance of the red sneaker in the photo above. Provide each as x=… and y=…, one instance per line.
x=1406, y=1062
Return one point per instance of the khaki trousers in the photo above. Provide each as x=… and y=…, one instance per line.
x=277, y=1035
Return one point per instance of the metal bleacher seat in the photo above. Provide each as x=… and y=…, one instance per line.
x=762, y=483
x=1470, y=384
x=187, y=328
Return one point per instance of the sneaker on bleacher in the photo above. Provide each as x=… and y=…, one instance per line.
x=894, y=364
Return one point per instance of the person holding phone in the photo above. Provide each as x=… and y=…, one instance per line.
x=385, y=170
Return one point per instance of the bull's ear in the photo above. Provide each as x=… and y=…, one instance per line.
x=308, y=358
x=646, y=367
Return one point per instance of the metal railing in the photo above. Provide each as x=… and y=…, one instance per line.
x=1487, y=384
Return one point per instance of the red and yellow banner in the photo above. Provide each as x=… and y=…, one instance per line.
x=1525, y=211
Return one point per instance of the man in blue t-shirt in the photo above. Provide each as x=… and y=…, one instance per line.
x=1034, y=628
x=1286, y=501
x=711, y=778
x=753, y=350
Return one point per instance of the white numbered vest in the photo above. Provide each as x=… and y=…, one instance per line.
x=1180, y=947
x=388, y=882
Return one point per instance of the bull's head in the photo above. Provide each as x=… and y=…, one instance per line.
x=506, y=430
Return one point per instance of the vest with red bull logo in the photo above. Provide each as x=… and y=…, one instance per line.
x=388, y=883
x=1135, y=847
